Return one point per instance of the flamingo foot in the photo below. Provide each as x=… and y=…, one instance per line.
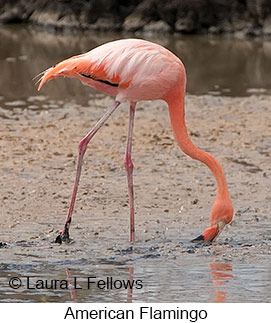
x=209, y=235
x=3, y=245
x=64, y=236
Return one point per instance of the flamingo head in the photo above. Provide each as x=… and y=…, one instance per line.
x=221, y=214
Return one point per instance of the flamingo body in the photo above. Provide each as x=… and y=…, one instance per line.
x=135, y=70
x=128, y=69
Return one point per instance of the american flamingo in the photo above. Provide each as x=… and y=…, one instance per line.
x=134, y=70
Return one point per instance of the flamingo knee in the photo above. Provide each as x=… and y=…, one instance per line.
x=82, y=146
x=129, y=166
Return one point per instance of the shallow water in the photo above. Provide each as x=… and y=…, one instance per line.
x=215, y=65
x=163, y=270
x=152, y=280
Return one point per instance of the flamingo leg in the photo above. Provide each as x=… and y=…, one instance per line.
x=64, y=234
x=129, y=170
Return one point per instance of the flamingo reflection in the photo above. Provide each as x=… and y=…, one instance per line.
x=71, y=283
x=73, y=295
x=129, y=289
x=221, y=274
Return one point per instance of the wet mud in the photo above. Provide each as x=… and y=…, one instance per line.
x=173, y=198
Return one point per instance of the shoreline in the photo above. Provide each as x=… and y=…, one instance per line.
x=145, y=17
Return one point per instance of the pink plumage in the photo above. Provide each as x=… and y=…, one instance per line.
x=142, y=70
x=135, y=70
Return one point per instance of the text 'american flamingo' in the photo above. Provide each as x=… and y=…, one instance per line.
x=134, y=70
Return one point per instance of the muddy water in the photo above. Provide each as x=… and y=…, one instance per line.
x=214, y=65
x=38, y=145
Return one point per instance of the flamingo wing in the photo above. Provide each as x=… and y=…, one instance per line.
x=130, y=69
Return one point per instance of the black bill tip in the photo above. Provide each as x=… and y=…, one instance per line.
x=198, y=239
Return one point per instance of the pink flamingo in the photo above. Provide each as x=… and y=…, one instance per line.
x=135, y=70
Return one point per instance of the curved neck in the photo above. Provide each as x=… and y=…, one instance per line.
x=175, y=102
